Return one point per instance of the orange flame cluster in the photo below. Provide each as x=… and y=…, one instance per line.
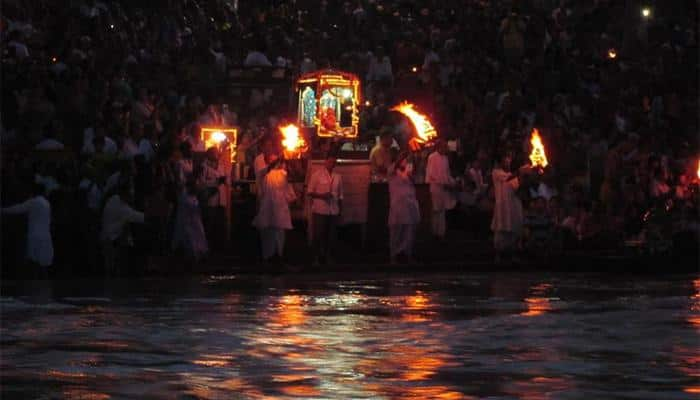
x=293, y=143
x=424, y=129
x=538, y=157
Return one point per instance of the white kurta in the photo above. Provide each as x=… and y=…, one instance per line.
x=323, y=182
x=259, y=166
x=211, y=175
x=189, y=230
x=508, y=211
x=403, y=205
x=274, y=204
x=39, y=247
x=116, y=216
x=437, y=174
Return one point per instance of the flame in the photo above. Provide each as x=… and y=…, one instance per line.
x=424, y=129
x=612, y=53
x=293, y=143
x=698, y=172
x=216, y=136
x=538, y=157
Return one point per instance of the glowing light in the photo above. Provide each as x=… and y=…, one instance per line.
x=293, y=143
x=538, y=304
x=217, y=137
x=538, y=157
x=424, y=129
x=414, y=69
x=368, y=103
x=54, y=59
x=646, y=12
x=698, y=171
x=612, y=54
x=347, y=93
x=223, y=139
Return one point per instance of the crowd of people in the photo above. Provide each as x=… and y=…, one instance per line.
x=103, y=102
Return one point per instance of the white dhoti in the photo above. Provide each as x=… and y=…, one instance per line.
x=272, y=242
x=273, y=216
x=404, y=215
x=507, y=219
x=438, y=176
x=438, y=223
x=401, y=239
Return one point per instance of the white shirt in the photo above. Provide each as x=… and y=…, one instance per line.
x=322, y=182
x=39, y=245
x=256, y=59
x=437, y=174
x=403, y=205
x=115, y=217
x=259, y=166
x=110, y=146
x=146, y=149
x=508, y=210
x=49, y=144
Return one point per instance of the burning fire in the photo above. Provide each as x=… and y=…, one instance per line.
x=215, y=137
x=538, y=157
x=293, y=143
x=424, y=129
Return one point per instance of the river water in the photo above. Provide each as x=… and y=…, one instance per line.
x=443, y=336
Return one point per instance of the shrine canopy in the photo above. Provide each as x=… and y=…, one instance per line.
x=329, y=102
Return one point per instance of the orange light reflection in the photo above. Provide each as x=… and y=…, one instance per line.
x=537, y=303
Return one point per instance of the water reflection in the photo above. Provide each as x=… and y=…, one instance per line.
x=537, y=303
x=449, y=337
x=694, y=318
x=417, y=306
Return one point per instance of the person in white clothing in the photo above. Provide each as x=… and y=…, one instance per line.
x=184, y=167
x=442, y=187
x=256, y=58
x=379, y=68
x=260, y=164
x=95, y=141
x=39, y=247
x=116, y=217
x=507, y=220
x=189, y=231
x=404, y=212
x=326, y=193
x=273, y=216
